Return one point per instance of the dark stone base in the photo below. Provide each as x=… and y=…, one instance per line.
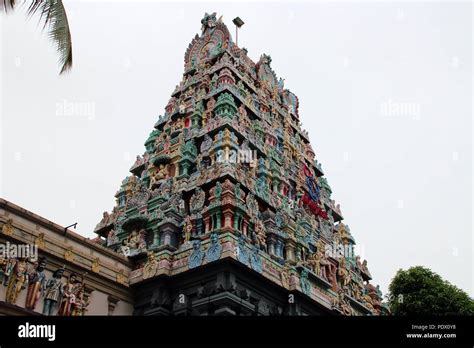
x=224, y=287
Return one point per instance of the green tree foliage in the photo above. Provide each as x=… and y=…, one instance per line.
x=419, y=291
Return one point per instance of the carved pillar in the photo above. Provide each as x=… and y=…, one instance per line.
x=237, y=217
x=290, y=250
x=156, y=238
x=207, y=224
x=184, y=168
x=169, y=237
x=217, y=216
x=245, y=225
x=228, y=218
x=275, y=184
x=271, y=244
x=198, y=224
x=112, y=304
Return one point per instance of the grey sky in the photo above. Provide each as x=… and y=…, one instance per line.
x=385, y=93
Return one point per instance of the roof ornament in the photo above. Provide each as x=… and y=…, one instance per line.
x=208, y=23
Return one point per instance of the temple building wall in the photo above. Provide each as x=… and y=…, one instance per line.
x=104, y=272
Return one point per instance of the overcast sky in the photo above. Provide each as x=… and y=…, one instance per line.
x=385, y=93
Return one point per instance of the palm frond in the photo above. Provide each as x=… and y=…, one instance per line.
x=54, y=17
x=7, y=5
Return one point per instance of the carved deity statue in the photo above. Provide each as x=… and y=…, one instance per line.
x=260, y=235
x=364, y=268
x=71, y=291
x=105, y=220
x=357, y=289
x=326, y=266
x=187, y=228
x=54, y=290
x=237, y=191
x=150, y=267
x=132, y=240
x=208, y=23
x=252, y=205
x=242, y=111
x=206, y=145
x=3, y=263
x=141, y=239
x=314, y=262
x=342, y=303
x=36, y=284
x=7, y=269
x=211, y=102
x=80, y=304
x=218, y=190
x=367, y=300
x=7, y=228
x=197, y=200
x=285, y=276
x=112, y=238
x=17, y=281
x=160, y=174
x=343, y=273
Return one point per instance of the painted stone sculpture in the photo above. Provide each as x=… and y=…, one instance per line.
x=54, y=290
x=215, y=249
x=197, y=255
x=36, y=284
x=17, y=281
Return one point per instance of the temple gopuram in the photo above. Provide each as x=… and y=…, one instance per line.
x=227, y=211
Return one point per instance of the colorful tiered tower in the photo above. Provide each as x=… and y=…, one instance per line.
x=228, y=212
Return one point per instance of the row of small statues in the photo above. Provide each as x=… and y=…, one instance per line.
x=59, y=299
x=371, y=296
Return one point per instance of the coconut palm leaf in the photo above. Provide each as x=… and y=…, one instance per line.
x=54, y=18
x=7, y=5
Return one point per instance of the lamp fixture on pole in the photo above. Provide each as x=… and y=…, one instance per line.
x=238, y=23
